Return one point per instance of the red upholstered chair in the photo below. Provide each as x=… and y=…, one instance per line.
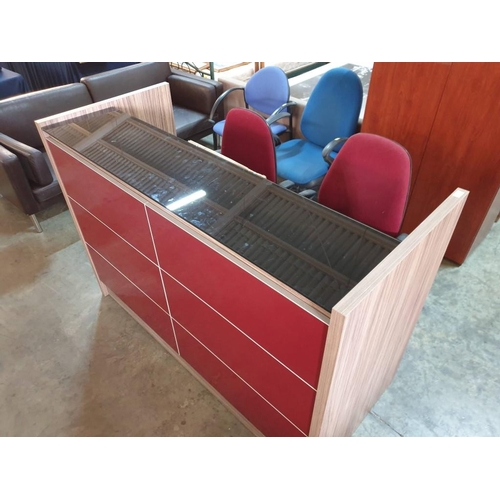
x=369, y=181
x=248, y=140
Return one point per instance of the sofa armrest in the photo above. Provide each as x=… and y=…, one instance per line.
x=194, y=92
x=14, y=185
x=32, y=160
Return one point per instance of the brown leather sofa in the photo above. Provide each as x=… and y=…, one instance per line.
x=26, y=176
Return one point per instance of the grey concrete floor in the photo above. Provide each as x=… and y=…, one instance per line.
x=73, y=363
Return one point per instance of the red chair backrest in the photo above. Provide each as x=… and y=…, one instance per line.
x=369, y=181
x=248, y=140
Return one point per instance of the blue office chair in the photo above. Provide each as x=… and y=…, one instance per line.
x=266, y=92
x=330, y=116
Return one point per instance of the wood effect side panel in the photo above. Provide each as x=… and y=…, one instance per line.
x=462, y=151
x=372, y=325
x=151, y=104
x=402, y=103
x=242, y=397
x=138, y=302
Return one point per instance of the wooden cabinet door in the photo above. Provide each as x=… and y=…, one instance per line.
x=403, y=100
x=463, y=151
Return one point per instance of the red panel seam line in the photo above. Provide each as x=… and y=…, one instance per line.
x=161, y=278
x=243, y=380
x=199, y=298
x=243, y=333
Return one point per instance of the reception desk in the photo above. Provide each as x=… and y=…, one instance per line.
x=294, y=315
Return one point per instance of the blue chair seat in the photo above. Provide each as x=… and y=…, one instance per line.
x=300, y=161
x=276, y=128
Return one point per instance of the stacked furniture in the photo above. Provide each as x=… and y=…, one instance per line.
x=294, y=315
x=26, y=176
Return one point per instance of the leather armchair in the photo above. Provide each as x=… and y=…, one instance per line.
x=26, y=176
x=192, y=96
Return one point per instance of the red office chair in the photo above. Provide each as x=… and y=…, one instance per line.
x=248, y=140
x=369, y=181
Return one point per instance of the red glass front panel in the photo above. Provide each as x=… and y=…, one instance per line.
x=273, y=381
x=231, y=387
x=121, y=255
x=147, y=310
x=115, y=208
x=289, y=332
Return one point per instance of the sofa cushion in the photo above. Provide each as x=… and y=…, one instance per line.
x=18, y=114
x=193, y=92
x=123, y=80
x=190, y=123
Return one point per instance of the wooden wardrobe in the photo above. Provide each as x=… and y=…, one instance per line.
x=447, y=115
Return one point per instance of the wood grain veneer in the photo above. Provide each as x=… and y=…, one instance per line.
x=448, y=117
x=402, y=103
x=462, y=151
x=151, y=104
x=371, y=326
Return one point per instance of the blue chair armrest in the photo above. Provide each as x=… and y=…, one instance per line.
x=331, y=146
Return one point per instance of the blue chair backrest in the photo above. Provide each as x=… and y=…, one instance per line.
x=333, y=108
x=267, y=89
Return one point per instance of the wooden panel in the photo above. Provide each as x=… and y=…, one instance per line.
x=371, y=326
x=403, y=99
x=151, y=104
x=298, y=337
x=115, y=208
x=273, y=381
x=147, y=310
x=233, y=389
x=462, y=151
x=142, y=272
